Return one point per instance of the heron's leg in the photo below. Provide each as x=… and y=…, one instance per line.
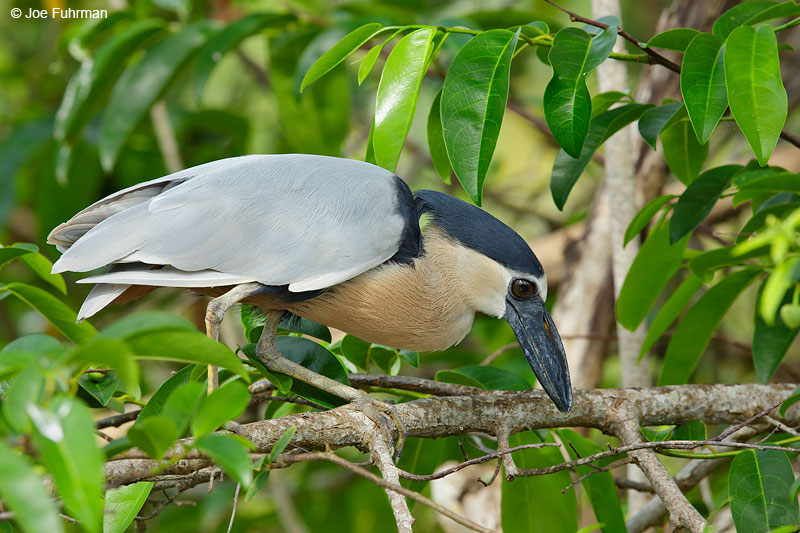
x=215, y=312
x=270, y=356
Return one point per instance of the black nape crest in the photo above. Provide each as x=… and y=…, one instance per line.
x=410, y=245
x=476, y=229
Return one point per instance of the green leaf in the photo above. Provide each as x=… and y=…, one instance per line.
x=655, y=119
x=182, y=403
x=384, y=357
x=599, y=486
x=436, y=144
x=283, y=383
x=368, y=62
x=770, y=341
x=759, y=485
x=42, y=267
x=473, y=102
x=142, y=84
x=698, y=324
x=356, y=351
x=691, y=430
x=675, y=39
x=281, y=444
x=101, y=390
x=567, y=105
x=683, y=152
x=24, y=391
x=698, y=199
x=145, y=322
x=410, y=358
x=339, y=52
x=744, y=13
x=603, y=101
x=567, y=170
x=645, y=215
x=64, y=437
x=317, y=359
x=787, y=403
x=23, y=493
x=778, y=282
x=717, y=258
x=154, y=435
x=484, y=377
x=225, y=403
x=703, y=84
x=50, y=307
x=755, y=91
x=536, y=503
x=8, y=253
x=90, y=85
x=398, y=90
x=182, y=345
x=156, y=403
x=230, y=454
x=655, y=263
x=112, y=353
x=229, y=38
x=305, y=326
x=258, y=484
x=122, y=505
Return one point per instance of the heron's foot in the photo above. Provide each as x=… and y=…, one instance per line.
x=384, y=415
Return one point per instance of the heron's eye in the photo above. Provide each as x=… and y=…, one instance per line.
x=522, y=289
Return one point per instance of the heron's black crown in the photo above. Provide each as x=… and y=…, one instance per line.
x=476, y=229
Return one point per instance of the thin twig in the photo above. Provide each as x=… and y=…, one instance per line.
x=235, y=503
x=781, y=426
x=478, y=460
x=383, y=458
x=117, y=420
x=598, y=469
x=259, y=398
x=733, y=429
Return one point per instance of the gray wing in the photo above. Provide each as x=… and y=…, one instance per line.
x=299, y=220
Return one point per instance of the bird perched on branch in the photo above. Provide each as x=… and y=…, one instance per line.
x=334, y=240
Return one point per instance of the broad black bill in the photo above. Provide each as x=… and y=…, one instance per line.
x=541, y=344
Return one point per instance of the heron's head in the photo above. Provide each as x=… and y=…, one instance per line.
x=502, y=277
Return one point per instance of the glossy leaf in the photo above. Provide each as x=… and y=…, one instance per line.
x=339, y=52
x=89, y=86
x=23, y=493
x=145, y=322
x=281, y=443
x=567, y=170
x=473, y=103
x=316, y=358
x=229, y=453
x=484, y=377
x=122, y=504
x=398, y=90
x=229, y=38
x=655, y=119
x=683, y=152
x=755, y=91
x=567, y=105
x=698, y=199
x=42, y=267
x=181, y=345
x=705, y=263
x=50, y=307
x=698, y=324
x=142, y=84
x=64, y=437
x=356, y=351
x=436, y=145
x=225, y=403
x=787, y=403
x=110, y=353
x=675, y=39
x=759, y=486
x=770, y=341
x=599, y=486
x=655, y=263
x=156, y=403
x=101, y=389
x=779, y=281
x=9, y=253
x=154, y=435
x=738, y=15
x=703, y=84
x=368, y=62
x=603, y=101
x=182, y=403
x=283, y=383
x=691, y=430
x=26, y=390
x=536, y=503
x=645, y=215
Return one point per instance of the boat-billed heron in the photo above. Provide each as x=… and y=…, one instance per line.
x=334, y=240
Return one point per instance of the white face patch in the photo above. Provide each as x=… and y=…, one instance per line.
x=541, y=282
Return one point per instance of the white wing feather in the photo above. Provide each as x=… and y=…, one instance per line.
x=306, y=221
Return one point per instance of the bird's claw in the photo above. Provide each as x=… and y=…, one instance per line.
x=384, y=415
